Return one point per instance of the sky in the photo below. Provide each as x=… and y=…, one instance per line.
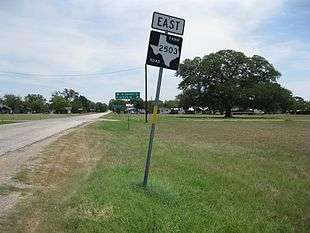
x=105, y=42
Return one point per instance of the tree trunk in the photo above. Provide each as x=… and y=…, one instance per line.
x=228, y=112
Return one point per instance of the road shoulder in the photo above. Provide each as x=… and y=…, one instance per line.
x=16, y=164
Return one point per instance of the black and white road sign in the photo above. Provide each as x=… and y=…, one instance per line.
x=164, y=50
x=168, y=23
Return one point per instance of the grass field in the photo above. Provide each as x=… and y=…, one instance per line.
x=2, y=122
x=12, y=118
x=206, y=176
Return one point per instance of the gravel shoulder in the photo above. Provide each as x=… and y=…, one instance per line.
x=21, y=145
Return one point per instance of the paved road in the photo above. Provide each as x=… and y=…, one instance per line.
x=17, y=135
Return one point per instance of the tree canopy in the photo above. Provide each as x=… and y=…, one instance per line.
x=14, y=102
x=117, y=105
x=35, y=103
x=228, y=78
x=60, y=102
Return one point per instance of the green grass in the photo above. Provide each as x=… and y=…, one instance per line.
x=22, y=175
x=7, y=189
x=26, y=117
x=2, y=122
x=212, y=176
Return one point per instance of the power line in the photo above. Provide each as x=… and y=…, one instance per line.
x=68, y=75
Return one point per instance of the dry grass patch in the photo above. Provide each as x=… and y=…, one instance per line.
x=63, y=164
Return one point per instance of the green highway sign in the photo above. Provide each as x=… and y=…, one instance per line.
x=127, y=95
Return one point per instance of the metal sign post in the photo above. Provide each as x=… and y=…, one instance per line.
x=127, y=96
x=128, y=118
x=154, y=121
x=128, y=105
x=164, y=51
x=145, y=91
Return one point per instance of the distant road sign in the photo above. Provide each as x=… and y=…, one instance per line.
x=168, y=23
x=127, y=95
x=164, y=50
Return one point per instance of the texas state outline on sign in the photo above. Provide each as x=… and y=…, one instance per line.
x=167, y=57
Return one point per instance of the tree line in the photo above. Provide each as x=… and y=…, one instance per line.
x=225, y=81
x=139, y=104
x=296, y=105
x=66, y=101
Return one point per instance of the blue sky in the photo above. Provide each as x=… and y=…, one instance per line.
x=96, y=36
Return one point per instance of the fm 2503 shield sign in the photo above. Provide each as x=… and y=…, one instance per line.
x=164, y=50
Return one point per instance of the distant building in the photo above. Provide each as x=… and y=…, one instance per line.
x=248, y=111
x=68, y=109
x=174, y=110
x=190, y=110
x=141, y=111
x=164, y=110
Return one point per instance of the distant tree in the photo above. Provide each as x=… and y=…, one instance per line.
x=188, y=99
x=223, y=78
x=14, y=102
x=117, y=105
x=59, y=103
x=85, y=103
x=299, y=104
x=77, y=106
x=137, y=103
x=171, y=103
x=74, y=99
x=307, y=106
x=70, y=94
x=101, y=107
x=36, y=103
x=270, y=97
x=79, y=103
x=92, y=106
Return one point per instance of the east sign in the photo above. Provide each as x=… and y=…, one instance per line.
x=168, y=23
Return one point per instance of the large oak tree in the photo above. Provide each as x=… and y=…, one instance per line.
x=223, y=79
x=36, y=103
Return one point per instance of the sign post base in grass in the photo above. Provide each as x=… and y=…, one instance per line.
x=154, y=121
x=128, y=119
